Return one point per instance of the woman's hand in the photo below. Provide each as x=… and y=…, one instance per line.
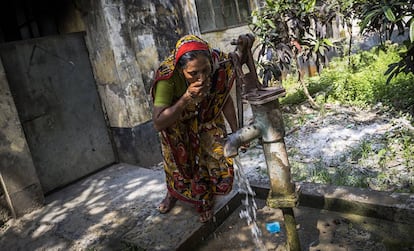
x=163, y=117
x=199, y=90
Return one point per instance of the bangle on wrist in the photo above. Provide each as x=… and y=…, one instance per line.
x=190, y=94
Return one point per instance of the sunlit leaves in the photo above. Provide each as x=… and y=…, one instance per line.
x=405, y=65
x=300, y=25
x=389, y=14
x=271, y=24
x=383, y=17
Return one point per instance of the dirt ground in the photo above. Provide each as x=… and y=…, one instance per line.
x=370, y=148
x=317, y=229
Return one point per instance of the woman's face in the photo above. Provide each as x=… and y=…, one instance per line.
x=197, y=70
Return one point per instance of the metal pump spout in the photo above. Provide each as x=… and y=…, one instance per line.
x=267, y=125
x=241, y=137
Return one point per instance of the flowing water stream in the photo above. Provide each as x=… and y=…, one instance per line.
x=249, y=203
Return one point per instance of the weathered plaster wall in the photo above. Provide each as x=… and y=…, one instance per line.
x=190, y=16
x=118, y=76
x=18, y=176
x=154, y=27
x=222, y=39
x=127, y=40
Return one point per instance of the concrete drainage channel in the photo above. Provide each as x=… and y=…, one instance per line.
x=328, y=218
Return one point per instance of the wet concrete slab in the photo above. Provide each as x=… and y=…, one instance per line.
x=317, y=229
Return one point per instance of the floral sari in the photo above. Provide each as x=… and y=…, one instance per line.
x=192, y=147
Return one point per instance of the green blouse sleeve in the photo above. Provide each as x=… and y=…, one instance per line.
x=164, y=92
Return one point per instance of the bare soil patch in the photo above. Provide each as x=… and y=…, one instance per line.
x=348, y=146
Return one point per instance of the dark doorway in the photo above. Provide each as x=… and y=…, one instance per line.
x=25, y=19
x=55, y=93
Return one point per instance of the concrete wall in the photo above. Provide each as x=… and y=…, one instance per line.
x=222, y=39
x=126, y=41
x=18, y=176
x=117, y=74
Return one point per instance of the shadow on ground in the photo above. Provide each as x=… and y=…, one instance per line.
x=92, y=213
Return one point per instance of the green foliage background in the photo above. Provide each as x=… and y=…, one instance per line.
x=362, y=83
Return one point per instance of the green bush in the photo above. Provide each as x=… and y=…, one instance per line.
x=360, y=83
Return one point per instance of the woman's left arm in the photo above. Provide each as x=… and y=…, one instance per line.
x=230, y=114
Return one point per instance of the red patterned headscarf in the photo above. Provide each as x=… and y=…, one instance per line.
x=183, y=45
x=189, y=43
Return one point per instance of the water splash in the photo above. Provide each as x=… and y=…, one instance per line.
x=249, y=203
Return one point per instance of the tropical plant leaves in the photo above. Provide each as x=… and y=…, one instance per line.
x=405, y=65
x=383, y=17
x=368, y=18
x=389, y=14
x=300, y=26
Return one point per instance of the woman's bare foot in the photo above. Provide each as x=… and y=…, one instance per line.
x=167, y=203
x=206, y=216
